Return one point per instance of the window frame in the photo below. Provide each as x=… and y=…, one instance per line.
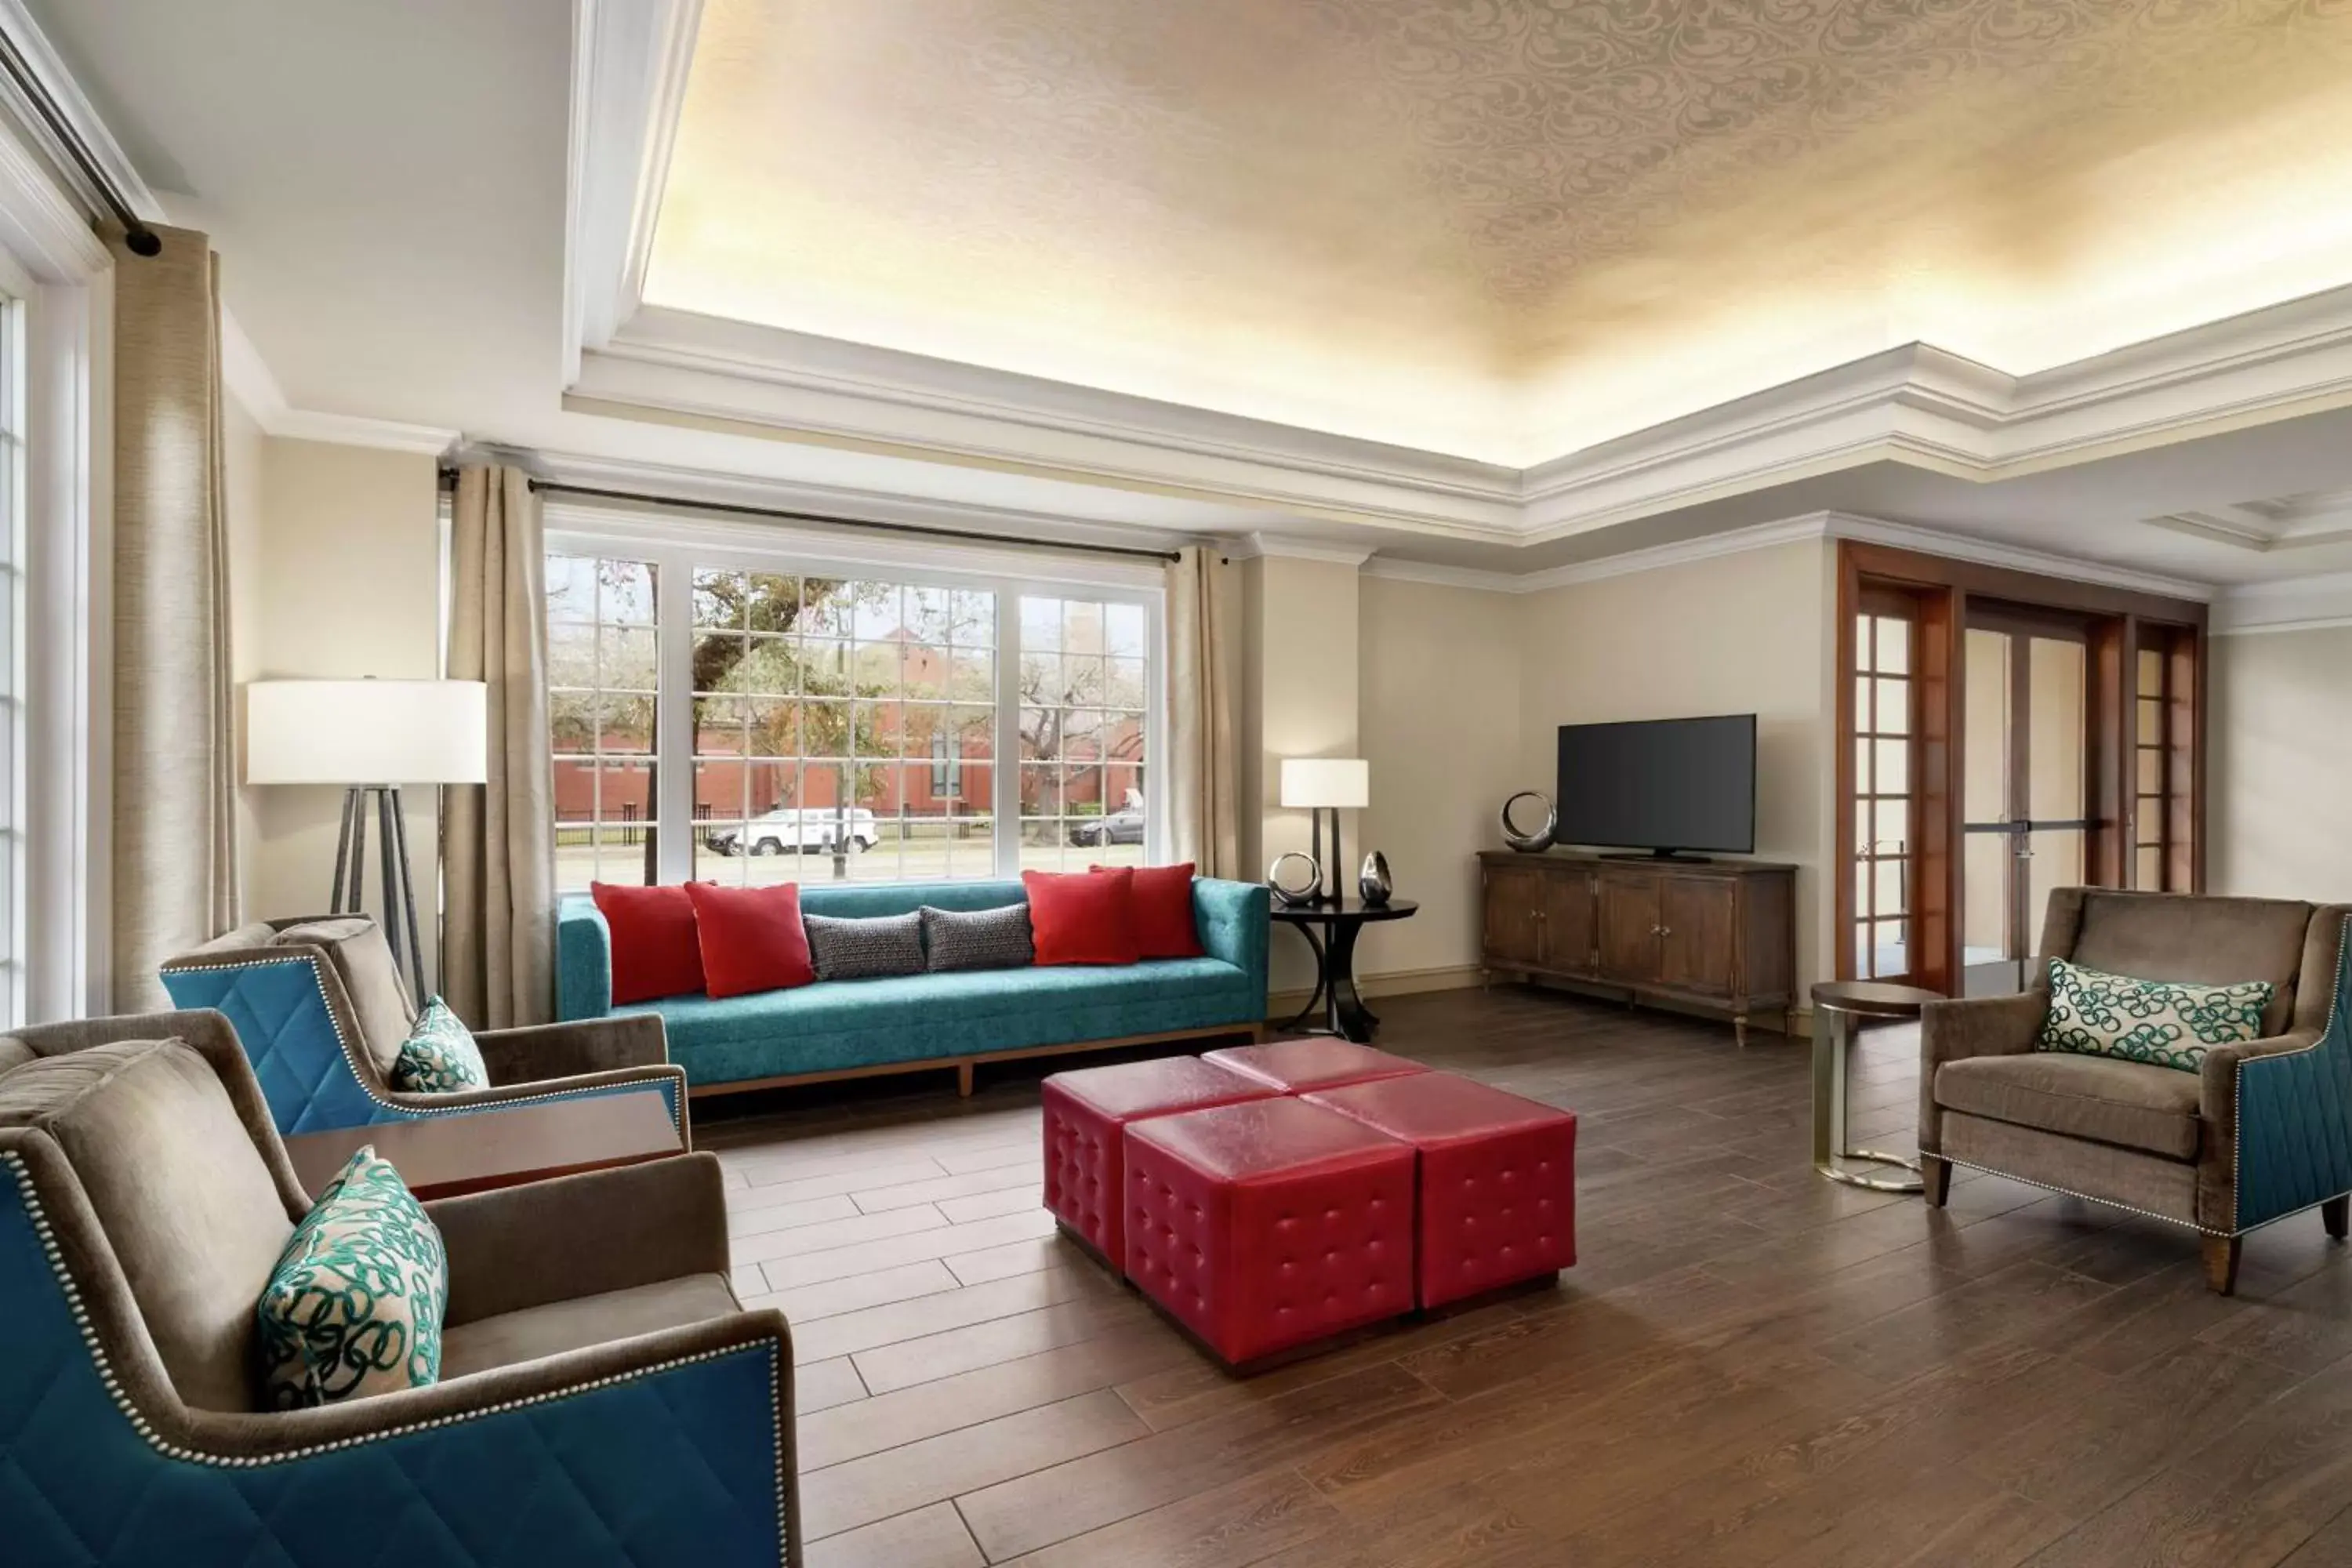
x=678, y=547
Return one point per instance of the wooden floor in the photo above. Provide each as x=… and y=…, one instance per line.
x=1749, y=1366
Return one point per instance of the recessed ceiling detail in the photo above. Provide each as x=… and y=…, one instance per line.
x=1502, y=230
x=2283, y=522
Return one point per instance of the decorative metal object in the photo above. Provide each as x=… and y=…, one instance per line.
x=1534, y=842
x=1301, y=889
x=1373, y=881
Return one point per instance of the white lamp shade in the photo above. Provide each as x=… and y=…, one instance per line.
x=1314, y=781
x=366, y=732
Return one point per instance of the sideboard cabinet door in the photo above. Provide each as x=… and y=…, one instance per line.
x=1514, y=915
x=1628, y=927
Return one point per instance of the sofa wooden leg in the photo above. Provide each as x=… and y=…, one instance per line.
x=963, y=1079
x=2221, y=1262
x=1935, y=1180
x=2336, y=1214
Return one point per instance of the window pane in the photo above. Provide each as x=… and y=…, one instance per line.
x=1893, y=646
x=1892, y=897
x=1893, y=707
x=1894, y=769
x=772, y=604
x=1861, y=880
x=2148, y=869
x=624, y=658
x=1863, y=720
x=2151, y=673
x=719, y=599
x=1893, y=826
x=2151, y=772
x=625, y=594
x=2151, y=721
x=571, y=588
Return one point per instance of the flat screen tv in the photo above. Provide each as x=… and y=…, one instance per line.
x=1665, y=786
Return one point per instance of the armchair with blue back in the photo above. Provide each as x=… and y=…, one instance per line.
x=601, y=1398
x=320, y=1010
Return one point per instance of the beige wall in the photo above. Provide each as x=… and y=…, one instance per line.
x=1739, y=633
x=342, y=579
x=1301, y=672
x=2281, y=771
x=1439, y=699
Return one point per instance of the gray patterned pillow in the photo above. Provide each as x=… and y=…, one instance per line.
x=861, y=948
x=978, y=939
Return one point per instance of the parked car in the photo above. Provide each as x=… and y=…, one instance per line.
x=795, y=828
x=1124, y=825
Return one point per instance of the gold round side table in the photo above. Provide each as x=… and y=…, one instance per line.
x=1837, y=1003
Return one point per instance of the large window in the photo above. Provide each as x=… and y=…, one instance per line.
x=752, y=722
x=1882, y=851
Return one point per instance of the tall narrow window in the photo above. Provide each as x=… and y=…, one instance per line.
x=1885, y=722
x=602, y=681
x=1083, y=687
x=2163, y=760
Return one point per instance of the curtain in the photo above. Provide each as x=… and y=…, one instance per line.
x=173, y=832
x=1204, y=773
x=498, y=857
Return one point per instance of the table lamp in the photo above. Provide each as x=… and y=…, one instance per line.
x=369, y=736
x=1321, y=784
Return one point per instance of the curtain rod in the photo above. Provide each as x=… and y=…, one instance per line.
x=137, y=237
x=734, y=508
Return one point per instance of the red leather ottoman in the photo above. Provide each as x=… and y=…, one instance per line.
x=1297, y=1066
x=1268, y=1224
x=1084, y=1113
x=1497, y=1179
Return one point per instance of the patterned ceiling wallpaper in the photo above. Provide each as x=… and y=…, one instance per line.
x=1451, y=194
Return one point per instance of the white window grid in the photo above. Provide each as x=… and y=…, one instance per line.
x=675, y=552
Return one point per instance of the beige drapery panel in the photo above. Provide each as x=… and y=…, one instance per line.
x=1204, y=772
x=173, y=833
x=499, y=860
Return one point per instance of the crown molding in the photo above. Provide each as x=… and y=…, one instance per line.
x=629, y=65
x=1436, y=575
x=48, y=69
x=1789, y=531
x=2298, y=604
x=1915, y=404
x=691, y=485
x=1258, y=546
x=797, y=386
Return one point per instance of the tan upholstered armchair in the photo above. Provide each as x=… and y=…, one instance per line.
x=321, y=1011
x=602, y=1396
x=2264, y=1128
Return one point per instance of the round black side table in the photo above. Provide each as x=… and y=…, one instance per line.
x=1339, y=924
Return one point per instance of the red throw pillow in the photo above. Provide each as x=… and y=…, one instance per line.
x=1162, y=911
x=656, y=953
x=752, y=939
x=1083, y=917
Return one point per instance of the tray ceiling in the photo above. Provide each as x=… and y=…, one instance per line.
x=1502, y=229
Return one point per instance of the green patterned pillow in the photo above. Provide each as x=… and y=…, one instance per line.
x=2165, y=1023
x=439, y=1056
x=354, y=1306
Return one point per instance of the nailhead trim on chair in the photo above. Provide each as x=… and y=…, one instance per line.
x=2237, y=1133
x=146, y=1431
x=671, y=1069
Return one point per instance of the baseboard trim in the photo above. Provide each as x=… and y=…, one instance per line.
x=1282, y=1004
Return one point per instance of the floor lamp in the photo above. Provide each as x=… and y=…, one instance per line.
x=371, y=737
x=1322, y=784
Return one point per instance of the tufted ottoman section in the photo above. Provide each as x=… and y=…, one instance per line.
x=1085, y=1111
x=1269, y=1224
x=1497, y=1179
x=1298, y=1067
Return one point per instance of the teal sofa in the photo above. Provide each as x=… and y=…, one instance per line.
x=849, y=1028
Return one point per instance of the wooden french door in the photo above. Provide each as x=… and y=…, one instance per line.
x=1999, y=734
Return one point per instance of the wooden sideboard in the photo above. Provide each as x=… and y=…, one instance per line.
x=1716, y=935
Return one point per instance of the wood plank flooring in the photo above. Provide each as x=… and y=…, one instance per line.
x=1750, y=1367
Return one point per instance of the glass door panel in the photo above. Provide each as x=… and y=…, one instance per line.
x=2026, y=781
